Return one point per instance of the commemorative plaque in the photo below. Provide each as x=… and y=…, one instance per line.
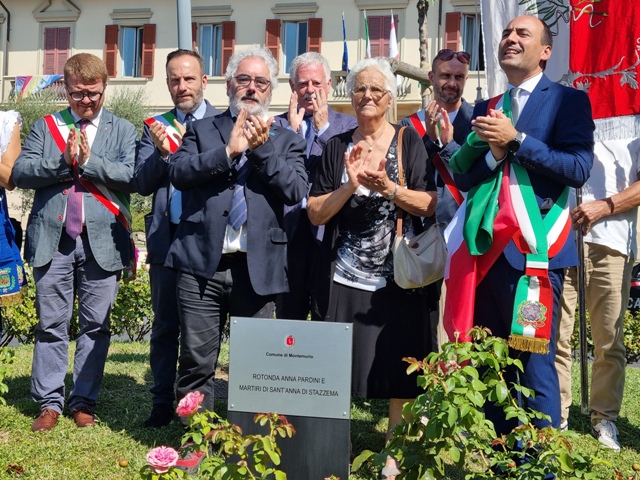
x=300, y=369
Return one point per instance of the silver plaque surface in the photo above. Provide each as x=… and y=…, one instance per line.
x=291, y=367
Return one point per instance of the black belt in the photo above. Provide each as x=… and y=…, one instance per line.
x=227, y=260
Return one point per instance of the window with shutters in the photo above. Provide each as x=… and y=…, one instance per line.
x=379, y=31
x=463, y=31
x=210, y=47
x=57, y=42
x=131, y=51
x=215, y=42
x=293, y=31
x=294, y=41
x=471, y=35
x=130, y=42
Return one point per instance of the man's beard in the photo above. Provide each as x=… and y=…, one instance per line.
x=189, y=106
x=450, y=96
x=259, y=109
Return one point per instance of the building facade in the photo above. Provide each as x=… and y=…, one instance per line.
x=36, y=38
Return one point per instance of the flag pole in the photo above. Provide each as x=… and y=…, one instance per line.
x=582, y=317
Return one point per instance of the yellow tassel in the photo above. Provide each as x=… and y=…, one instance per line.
x=10, y=299
x=529, y=344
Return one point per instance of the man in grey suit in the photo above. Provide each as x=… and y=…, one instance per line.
x=162, y=135
x=80, y=163
x=311, y=117
x=230, y=248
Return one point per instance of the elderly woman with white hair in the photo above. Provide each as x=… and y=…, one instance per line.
x=357, y=196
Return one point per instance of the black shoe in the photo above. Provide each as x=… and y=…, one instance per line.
x=161, y=416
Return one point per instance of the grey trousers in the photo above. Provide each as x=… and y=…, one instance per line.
x=72, y=270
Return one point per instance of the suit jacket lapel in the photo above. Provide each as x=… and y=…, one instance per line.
x=224, y=124
x=537, y=98
x=104, y=130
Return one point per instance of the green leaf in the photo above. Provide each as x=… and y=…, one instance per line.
x=360, y=459
x=501, y=392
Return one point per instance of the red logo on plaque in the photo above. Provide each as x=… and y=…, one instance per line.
x=290, y=341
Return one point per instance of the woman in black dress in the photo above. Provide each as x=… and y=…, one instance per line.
x=357, y=196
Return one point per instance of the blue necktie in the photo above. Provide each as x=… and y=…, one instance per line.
x=178, y=198
x=238, y=212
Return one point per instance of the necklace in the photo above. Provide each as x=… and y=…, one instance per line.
x=371, y=145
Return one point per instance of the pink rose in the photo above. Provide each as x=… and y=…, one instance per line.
x=189, y=404
x=160, y=459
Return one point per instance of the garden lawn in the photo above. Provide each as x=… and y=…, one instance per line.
x=69, y=453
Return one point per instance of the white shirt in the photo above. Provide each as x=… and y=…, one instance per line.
x=527, y=88
x=616, y=165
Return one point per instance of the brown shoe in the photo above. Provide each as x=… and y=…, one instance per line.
x=83, y=417
x=46, y=421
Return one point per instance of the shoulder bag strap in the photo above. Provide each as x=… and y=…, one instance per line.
x=400, y=181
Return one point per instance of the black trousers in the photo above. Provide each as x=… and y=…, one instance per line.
x=204, y=305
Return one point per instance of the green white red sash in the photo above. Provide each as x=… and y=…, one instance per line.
x=60, y=124
x=539, y=239
x=443, y=171
x=495, y=210
x=167, y=120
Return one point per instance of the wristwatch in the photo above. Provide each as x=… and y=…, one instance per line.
x=514, y=144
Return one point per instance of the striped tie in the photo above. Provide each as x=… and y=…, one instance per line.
x=74, y=201
x=238, y=212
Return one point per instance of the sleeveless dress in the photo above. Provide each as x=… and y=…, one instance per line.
x=13, y=281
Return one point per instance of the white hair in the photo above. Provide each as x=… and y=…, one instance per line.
x=382, y=65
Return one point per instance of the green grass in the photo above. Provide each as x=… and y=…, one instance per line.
x=69, y=453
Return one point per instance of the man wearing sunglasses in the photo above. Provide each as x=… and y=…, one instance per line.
x=77, y=244
x=444, y=125
x=230, y=247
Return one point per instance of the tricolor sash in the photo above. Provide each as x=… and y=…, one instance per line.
x=442, y=169
x=60, y=124
x=498, y=208
x=167, y=120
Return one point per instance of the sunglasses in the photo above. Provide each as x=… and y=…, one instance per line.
x=447, y=54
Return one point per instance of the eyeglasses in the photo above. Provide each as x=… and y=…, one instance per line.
x=79, y=96
x=261, y=83
x=447, y=54
x=376, y=92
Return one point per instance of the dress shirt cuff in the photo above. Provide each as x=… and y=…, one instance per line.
x=492, y=162
x=323, y=129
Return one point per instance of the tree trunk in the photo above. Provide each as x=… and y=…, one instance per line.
x=423, y=9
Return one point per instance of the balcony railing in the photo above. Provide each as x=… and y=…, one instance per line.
x=339, y=81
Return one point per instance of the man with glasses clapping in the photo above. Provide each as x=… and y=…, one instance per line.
x=230, y=247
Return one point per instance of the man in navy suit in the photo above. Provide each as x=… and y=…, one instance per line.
x=161, y=137
x=552, y=139
x=230, y=248
x=311, y=117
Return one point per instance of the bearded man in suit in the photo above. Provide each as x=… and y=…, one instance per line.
x=230, y=248
x=161, y=137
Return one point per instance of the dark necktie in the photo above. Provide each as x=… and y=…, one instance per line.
x=310, y=134
x=238, y=212
x=74, y=202
x=515, y=104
